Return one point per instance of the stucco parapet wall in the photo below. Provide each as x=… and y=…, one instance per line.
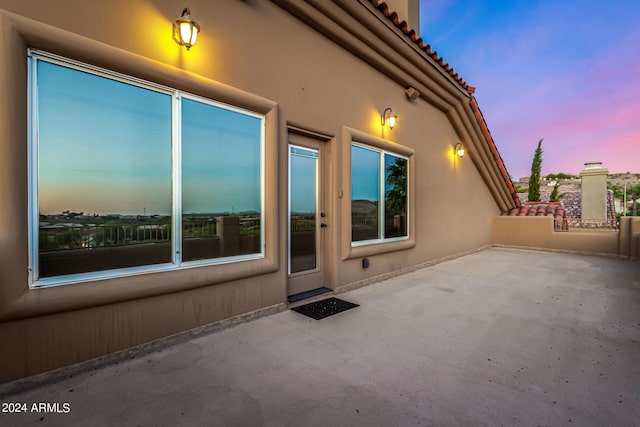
x=365, y=32
x=629, y=246
x=537, y=233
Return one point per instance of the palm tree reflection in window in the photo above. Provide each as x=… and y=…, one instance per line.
x=395, y=199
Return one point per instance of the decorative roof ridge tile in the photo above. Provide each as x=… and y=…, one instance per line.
x=426, y=48
x=381, y=6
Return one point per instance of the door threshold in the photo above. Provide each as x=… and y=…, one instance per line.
x=307, y=294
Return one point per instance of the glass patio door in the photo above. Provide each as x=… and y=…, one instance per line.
x=306, y=217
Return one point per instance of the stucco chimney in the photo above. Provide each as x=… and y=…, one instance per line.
x=594, y=191
x=407, y=10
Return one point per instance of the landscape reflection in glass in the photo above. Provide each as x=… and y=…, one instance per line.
x=371, y=170
x=395, y=198
x=365, y=193
x=221, y=173
x=104, y=173
x=303, y=164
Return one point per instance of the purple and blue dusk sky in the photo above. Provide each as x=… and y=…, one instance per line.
x=565, y=71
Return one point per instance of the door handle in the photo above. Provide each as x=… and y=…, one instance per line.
x=323, y=225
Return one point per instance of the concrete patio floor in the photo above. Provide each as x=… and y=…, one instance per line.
x=499, y=337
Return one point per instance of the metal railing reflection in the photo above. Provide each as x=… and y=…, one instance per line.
x=62, y=236
x=302, y=222
x=78, y=236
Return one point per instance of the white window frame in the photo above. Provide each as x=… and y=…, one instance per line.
x=381, y=196
x=34, y=55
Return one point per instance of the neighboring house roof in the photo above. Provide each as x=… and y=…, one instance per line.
x=538, y=209
x=572, y=202
x=552, y=209
x=404, y=27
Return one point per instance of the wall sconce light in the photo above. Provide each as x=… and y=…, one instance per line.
x=388, y=119
x=458, y=149
x=186, y=29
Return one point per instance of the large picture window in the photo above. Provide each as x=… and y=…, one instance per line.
x=379, y=203
x=116, y=188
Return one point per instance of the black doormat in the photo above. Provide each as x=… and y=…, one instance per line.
x=325, y=308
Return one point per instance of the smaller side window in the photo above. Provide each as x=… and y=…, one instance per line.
x=379, y=199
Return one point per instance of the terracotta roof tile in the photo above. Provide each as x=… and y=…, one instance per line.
x=572, y=202
x=552, y=209
x=404, y=27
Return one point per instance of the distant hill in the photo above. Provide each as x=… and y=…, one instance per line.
x=620, y=179
x=617, y=179
x=365, y=208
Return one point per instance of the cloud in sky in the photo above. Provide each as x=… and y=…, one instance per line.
x=563, y=71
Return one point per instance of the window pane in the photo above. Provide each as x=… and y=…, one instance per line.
x=221, y=206
x=395, y=196
x=365, y=193
x=104, y=173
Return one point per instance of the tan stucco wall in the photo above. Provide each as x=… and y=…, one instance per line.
x=538, y=233
x=257, y=56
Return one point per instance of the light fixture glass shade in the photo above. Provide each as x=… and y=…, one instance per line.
x=388, y=119
x=185, y=30
x=391, y=121
x=459, y=149
x=188, y=33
